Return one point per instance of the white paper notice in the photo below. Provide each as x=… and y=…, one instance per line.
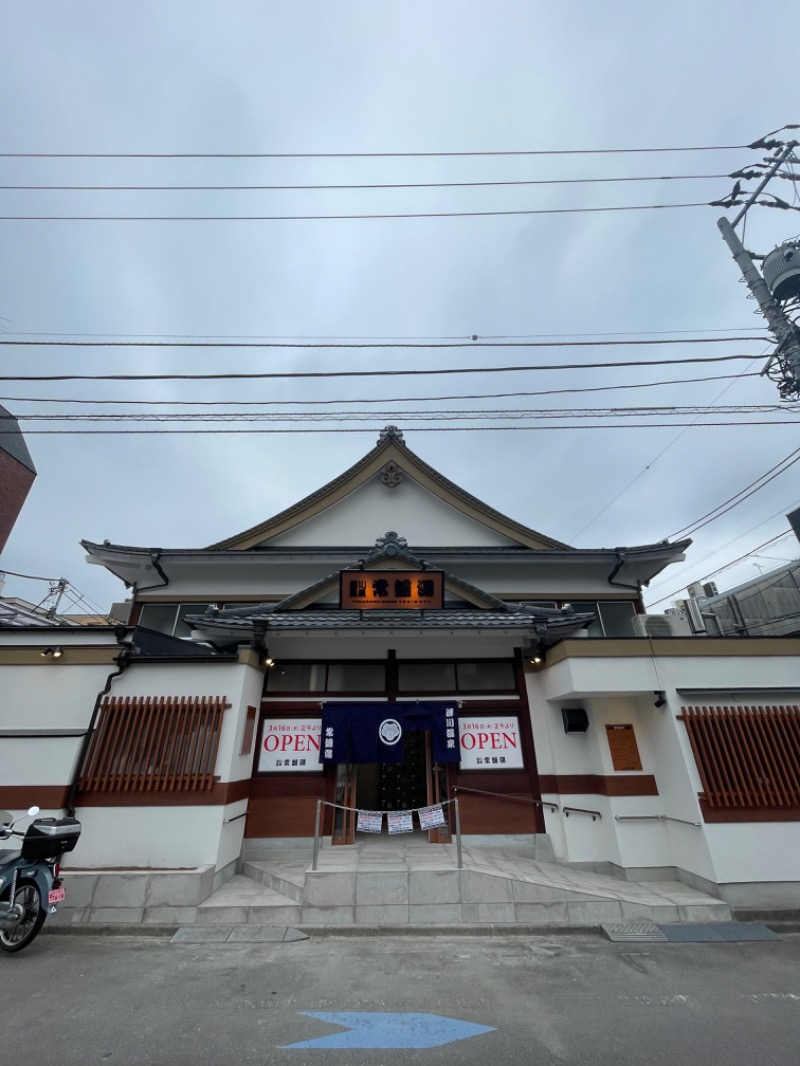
x=400, y=821
x=369, y=822
x=431, y=817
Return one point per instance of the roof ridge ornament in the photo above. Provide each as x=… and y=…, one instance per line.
x=391, y=433
x=391, y=475
x=391, y=543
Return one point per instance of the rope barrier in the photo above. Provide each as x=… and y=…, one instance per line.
x=405, y=810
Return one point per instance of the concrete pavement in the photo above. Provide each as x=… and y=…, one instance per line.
x=77, y=1000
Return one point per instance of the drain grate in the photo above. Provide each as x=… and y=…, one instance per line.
x=633, y=932
x=643, y=931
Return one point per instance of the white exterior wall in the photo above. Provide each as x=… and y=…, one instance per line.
x=619, y=690
x=45, y=698
x=373, y=509
x=57, y=696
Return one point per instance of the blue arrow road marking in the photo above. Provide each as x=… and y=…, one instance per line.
x=396, y=1029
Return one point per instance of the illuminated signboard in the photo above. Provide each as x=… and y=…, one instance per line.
x=416, y=590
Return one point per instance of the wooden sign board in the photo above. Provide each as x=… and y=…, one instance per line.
x=623, y=747
x=416, y=590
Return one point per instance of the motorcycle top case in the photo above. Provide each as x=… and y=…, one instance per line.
x=47, y=838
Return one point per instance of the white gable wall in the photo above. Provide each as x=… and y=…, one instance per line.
x=372, y=509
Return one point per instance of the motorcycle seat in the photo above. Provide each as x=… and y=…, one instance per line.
x=8, y=855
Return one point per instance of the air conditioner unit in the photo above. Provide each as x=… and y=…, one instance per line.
x=660, y=625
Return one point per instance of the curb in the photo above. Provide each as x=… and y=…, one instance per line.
x=500, y=930
x=350, y=931
x=109, y=929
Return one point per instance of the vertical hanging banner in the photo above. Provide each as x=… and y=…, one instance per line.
x=375, y=732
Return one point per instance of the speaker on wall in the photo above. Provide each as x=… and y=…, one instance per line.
x=576, y=720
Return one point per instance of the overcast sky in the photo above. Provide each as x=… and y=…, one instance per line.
x=303, y=77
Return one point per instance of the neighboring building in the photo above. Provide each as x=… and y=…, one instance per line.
x=389, y=642
x=764, y=606
x=17, y=473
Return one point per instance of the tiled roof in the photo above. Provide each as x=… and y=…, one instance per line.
x=557, y=623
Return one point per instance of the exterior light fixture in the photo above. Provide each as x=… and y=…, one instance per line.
x=52, y=653
x=660, y=699
x=534, y=653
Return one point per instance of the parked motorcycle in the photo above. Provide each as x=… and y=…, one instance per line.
x=30, y=882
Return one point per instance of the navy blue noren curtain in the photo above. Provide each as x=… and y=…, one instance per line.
x=375, y=732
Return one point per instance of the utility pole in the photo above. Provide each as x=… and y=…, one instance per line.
x=58, y=591
x=785, y=331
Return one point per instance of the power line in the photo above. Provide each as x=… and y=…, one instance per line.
x=416, y=429
x=359, y=416
x=367, y=155
x=377, y=185
x=754, y=551
x=704, y=520
x=476, y=343
x=373, y=399
x=340, y=218
x=644, y=470
x=27, y=577
x=373, y=337
x=722, y=547
x=311, y=374
x=727, y=566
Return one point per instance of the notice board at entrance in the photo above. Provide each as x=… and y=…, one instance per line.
x=416, y=590
x=623, y=747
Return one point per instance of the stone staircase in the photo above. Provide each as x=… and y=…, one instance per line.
x=387, y=885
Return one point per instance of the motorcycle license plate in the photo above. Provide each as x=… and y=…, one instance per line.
x=56, y=895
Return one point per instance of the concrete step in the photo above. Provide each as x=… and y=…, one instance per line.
x=243, y=901
x=287, y=878
x=519, y=891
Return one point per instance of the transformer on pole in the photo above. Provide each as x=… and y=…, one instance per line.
x=779, y=284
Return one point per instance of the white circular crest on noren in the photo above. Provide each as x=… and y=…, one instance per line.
x=390, y=731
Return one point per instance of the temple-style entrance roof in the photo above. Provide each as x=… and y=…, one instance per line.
x=389, y=486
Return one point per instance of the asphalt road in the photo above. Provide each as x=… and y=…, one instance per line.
x=580, y=1000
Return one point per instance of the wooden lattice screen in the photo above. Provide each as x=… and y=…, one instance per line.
x=746, y=756
x=144, y=743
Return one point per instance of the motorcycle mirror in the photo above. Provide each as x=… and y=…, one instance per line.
x=33, y=810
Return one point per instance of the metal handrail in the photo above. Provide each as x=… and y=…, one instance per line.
x=505, y=796
x=236, y=817
x=581, y=810
x=327, y=803
x=654, y=818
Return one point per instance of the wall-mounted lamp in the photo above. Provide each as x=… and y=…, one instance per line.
x=266, y=661
x=534, y=653
x=660, y=699
x=52, y=653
